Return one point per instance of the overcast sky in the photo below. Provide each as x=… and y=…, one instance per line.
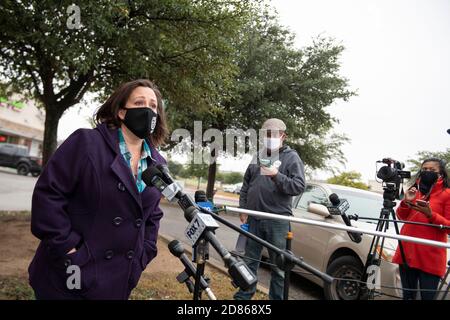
x=397, y=56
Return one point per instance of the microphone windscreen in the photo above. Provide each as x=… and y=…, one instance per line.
x=176, y=248
x=448, y=131
x=334, y=198
x=149, y=174
x=190, y=213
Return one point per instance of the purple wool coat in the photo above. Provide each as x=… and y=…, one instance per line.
x=86, y=197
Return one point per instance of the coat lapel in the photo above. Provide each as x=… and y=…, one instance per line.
x=122, y=171
x=118, y=166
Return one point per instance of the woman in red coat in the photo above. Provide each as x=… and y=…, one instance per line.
x=427, y=201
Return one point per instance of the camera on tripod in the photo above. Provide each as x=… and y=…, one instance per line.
x=392, y=176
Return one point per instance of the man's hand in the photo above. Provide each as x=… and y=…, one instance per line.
x=269, y=171
x=243, y=217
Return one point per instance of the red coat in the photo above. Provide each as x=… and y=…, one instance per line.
x=424, y=257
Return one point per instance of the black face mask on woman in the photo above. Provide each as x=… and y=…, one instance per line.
x=140, y=121
x=427, y=180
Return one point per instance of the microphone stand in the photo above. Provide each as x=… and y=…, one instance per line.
x=184, y=277
x=285, y=259
x=200, y=254
x=176, y=248
x=238, y=270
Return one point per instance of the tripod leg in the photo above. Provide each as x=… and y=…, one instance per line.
x=198, y=276
x=441, y=286
x=400, y=245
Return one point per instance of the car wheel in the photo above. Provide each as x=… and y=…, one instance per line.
x=23, y=169
x=345, y=267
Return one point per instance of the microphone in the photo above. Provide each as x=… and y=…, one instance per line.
x=448, y=131
x=166, y=173
x=176, y=248
x=238, y=270
x=175, y=193
x=339, y=207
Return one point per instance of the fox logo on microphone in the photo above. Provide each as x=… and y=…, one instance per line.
x=198, y=225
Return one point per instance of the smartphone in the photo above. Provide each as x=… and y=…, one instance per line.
x=265, y=162
x=422, y=203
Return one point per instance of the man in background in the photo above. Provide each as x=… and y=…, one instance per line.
x=270, y=182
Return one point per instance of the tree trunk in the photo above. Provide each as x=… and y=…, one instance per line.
x=211, y=180
x=52, y=116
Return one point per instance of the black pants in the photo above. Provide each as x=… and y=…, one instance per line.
x=411, y=277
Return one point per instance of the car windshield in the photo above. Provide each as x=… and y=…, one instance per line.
x=362, y=204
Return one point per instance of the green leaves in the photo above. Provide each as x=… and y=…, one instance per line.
x=415, y=164
x=185, y=46
x=349, y=179
x=275, y=79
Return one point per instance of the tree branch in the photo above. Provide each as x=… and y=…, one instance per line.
x=184, y=53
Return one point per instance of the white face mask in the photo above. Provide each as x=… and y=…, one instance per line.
x=272, y=143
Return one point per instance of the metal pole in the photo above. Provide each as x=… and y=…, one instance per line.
x=287, y=272
x=338, y=227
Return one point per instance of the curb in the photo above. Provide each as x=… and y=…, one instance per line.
x=211, y=262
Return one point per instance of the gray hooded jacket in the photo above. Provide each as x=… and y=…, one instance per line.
x=274, y=194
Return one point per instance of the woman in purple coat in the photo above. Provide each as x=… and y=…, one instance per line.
x=97, y=220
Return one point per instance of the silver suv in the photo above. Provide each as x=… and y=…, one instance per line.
x=332, y=251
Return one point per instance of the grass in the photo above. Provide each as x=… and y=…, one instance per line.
x=15, y=288
x=153, y=286
x=15, y=215
x=164, y=286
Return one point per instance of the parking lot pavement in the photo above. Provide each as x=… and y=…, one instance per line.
x=15, y=190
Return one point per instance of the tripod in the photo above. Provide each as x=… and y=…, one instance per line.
x=443, y=280
x=376, y=247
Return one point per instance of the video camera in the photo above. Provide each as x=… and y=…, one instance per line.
x=392, y=175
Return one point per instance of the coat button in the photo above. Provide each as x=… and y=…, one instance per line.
x=138, y=223
x=130, y=254
x=109, y=254
x=117, y=221
x=120, y=186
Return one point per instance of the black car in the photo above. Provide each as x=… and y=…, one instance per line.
x=17, y=157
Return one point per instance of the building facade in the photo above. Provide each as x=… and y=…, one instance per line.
x=22, y=122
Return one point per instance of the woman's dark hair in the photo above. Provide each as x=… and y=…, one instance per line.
x=108, y=113
x=442, y=171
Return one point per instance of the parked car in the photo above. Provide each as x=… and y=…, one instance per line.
x=237, y=188
x=233, y=188
x=332, y=251
x=17, y=157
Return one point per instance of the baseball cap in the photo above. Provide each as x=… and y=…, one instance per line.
x=274, y=124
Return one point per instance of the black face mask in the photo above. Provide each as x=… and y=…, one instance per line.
x=140, y=121
x=427, y=180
